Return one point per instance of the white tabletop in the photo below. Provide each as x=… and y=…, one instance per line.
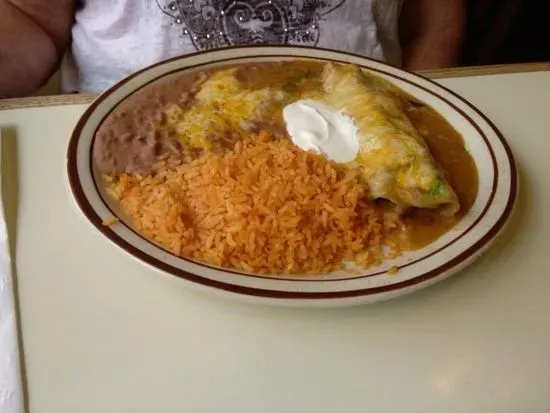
x=101, y=333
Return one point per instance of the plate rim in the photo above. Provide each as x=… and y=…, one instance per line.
x=440, y=271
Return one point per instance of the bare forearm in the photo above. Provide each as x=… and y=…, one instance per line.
x=27, y=54
x=30, y=45
x=432, y=33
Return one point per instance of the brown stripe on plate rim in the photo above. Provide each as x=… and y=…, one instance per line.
x=90, y=213
x=279, y=278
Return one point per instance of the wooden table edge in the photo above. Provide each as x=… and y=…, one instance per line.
x=77, y=99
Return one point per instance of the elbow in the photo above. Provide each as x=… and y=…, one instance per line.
x=431, y=37
x=23, y=72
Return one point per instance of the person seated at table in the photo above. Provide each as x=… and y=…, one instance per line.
x=98, y=42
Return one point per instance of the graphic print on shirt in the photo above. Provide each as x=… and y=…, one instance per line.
x=217, y=23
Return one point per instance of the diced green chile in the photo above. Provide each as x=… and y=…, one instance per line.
x=437, y=187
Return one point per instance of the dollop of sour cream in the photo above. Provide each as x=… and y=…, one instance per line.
x=312, y=125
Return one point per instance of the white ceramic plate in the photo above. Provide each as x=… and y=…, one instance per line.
x=417, y=269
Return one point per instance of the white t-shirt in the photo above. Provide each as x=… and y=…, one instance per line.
x=113, y=38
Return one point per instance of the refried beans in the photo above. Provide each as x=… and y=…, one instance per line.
x=128, y=141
